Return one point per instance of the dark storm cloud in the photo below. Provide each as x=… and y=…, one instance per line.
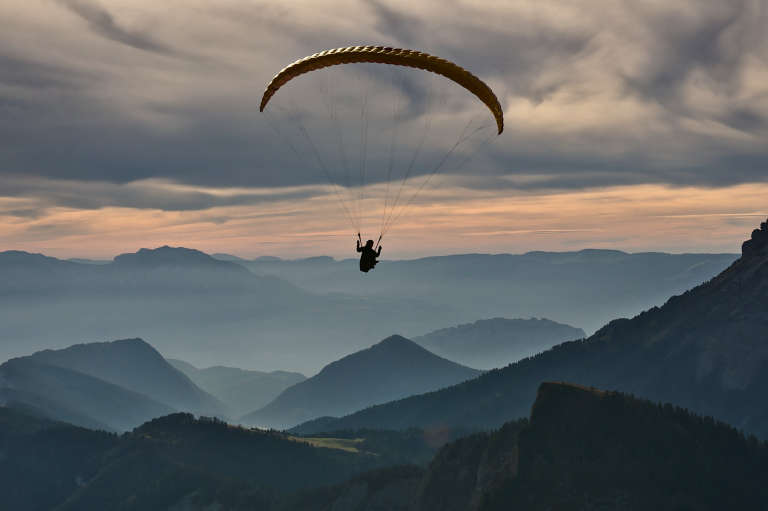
x=396, y=24
x=744, y=119
x=18, y=72
x=27, y=213
x=91, y=120
x=567, y=173
x=144, y=195
x=516, y=52
x=101, y=21
x=714, y=43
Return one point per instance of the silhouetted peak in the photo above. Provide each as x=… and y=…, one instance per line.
x=170, y=421
x=557, y=390
x=758, y=243
x=20, y=257
x=135, y=345
x=184, y=424
x=122, y=346
x=166, y=256
x=556, y=400
x=393, y=351
x=394, y=342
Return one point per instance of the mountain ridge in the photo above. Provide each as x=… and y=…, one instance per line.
x=167, y=256
x=135, y=365
x=63, y=394
x=395, y=366
x=496, y=342
x=689, y=351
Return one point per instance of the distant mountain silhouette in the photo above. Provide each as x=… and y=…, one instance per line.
x=26, y=276
x=19, y=259
x=161, y=270
x=134, y=365
x=704, y=350
x=64, y=394
x=586, y=288
x=189, y=302
x=496, y=342
x=395, y=367
x=241, y=390
x=174, y=257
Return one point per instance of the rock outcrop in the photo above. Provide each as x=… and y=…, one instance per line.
x=758, y=243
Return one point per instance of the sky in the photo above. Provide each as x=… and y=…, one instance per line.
x=640, y=126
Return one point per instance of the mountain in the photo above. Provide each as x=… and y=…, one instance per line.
x=705, y=350
x=581, y=448
x=393, y=368
x=172, y=462
x=586, y=288
x=496, y=342
x=133, y=365
x=587, y=449
x=21, y=260
x=45, y=461
x=166, y=257
x=196, y=307
x=212, y=312
x=62, y=394
x=241, y=390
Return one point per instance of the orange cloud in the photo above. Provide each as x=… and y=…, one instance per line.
x=443, y=220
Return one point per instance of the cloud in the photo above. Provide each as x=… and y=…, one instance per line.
x=102, y=22
x=449, y=219
x=595, y=95
x=148, y=194
x=29, y=74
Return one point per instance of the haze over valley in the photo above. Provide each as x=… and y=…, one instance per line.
x=212, y=312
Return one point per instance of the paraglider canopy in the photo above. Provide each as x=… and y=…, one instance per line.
x=393, y=56
x=395, y=115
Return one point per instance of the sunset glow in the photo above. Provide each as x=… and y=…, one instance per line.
x=446, y=220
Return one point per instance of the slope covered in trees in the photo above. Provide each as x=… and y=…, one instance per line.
x=582, y=448
x=175, y=460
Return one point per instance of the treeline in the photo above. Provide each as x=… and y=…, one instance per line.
x=581, y=449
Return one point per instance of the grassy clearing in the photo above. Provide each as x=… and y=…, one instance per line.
x=343, y=444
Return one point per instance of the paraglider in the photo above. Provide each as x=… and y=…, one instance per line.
x=368, y=255
x=420, y=160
